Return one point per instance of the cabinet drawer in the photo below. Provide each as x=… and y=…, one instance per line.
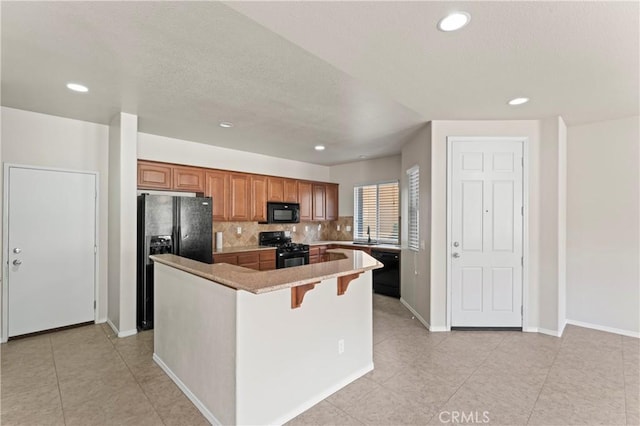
x=248, y=258
x=231, y=258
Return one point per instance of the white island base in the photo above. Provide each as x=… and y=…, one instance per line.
x=252, y=359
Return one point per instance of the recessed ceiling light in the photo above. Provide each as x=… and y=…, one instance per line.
x=319, y=147
x=454, y=21
x=77, y=87
x=226, y=124
x=518, y=101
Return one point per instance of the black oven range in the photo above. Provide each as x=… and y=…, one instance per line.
x=288, y=254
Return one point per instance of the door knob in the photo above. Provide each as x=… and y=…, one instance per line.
x=456, y=255
x=17, y=262
x=456, y=244
x=17, y=250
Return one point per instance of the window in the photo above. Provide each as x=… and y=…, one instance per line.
x=413, y=175
x=376, y=211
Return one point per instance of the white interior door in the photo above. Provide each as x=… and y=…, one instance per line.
x=51, y=227
x=486, y=233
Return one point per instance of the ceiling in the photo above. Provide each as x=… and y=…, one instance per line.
x=358, y=77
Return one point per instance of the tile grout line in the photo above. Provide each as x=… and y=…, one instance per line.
x=546, y=377
x=55, y=368
x=465, y=380
x=134, y=376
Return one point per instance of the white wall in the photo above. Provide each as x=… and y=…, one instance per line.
x=123, y=135
x=362, y=172
x=170, y=150
x=603, y=212
x=415, y=266
x=43, y=140
x=529, y=129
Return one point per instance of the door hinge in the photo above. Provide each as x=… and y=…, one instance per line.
x=521, y=311
x=522, y=211
x=522, y=161
x=94, y=305
x=522, y=260
x=95, y=249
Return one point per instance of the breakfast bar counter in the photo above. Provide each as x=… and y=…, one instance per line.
x=261, y=347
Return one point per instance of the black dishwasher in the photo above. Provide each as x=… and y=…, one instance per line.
x=386, y=280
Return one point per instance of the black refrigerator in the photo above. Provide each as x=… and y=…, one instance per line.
x=167, y=224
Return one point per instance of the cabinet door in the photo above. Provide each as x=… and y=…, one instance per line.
x=267, y=260
x=319, y=196
x=249, y=260
x=259, y=198
x=216, y=186
x=305, y=200
x=188, y=179
x=276, y=189
x=290, y=191
x=331, y=211
x=154, y=176
x=239, y=197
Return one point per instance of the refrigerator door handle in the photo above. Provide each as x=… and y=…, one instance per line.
x=175, y=236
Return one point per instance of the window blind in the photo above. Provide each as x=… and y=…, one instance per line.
x=413, y=176
x=376, y=211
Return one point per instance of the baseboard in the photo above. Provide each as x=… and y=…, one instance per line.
x=128, y=333
x=530, y=329
x=119, y=333
x=199, y=405
x=113, y=327
x=627, y=333
x=283, y=419
x=321, y=396
x=415, y=314
x=554, y=333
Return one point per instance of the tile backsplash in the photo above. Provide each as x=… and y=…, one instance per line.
x=305, y=232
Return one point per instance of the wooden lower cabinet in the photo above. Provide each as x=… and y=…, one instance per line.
x=317, y=254
x=260, y=260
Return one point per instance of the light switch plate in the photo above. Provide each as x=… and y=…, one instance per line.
x=239, y=230
x=348, y=228
x=287, y=233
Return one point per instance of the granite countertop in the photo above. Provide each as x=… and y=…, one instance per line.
x=340, y=263
x=391, y=247
x=240, y=249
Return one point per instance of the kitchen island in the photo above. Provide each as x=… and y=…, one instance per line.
x=261, y=347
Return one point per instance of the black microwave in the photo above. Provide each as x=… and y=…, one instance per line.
x=283, y=212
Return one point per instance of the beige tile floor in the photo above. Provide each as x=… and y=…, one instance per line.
x=87, y=376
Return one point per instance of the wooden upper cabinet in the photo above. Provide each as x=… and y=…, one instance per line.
x=216, y=186
x=305, y=200
x=239, y=197
x=154, y=175
x=319, y=201
x=290, y=191
x=258, y=198
x=331, y=211
x=275, y=190
x=188, y=179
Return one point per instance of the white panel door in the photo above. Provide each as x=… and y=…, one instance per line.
x=51, y=255
x=486, y=233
